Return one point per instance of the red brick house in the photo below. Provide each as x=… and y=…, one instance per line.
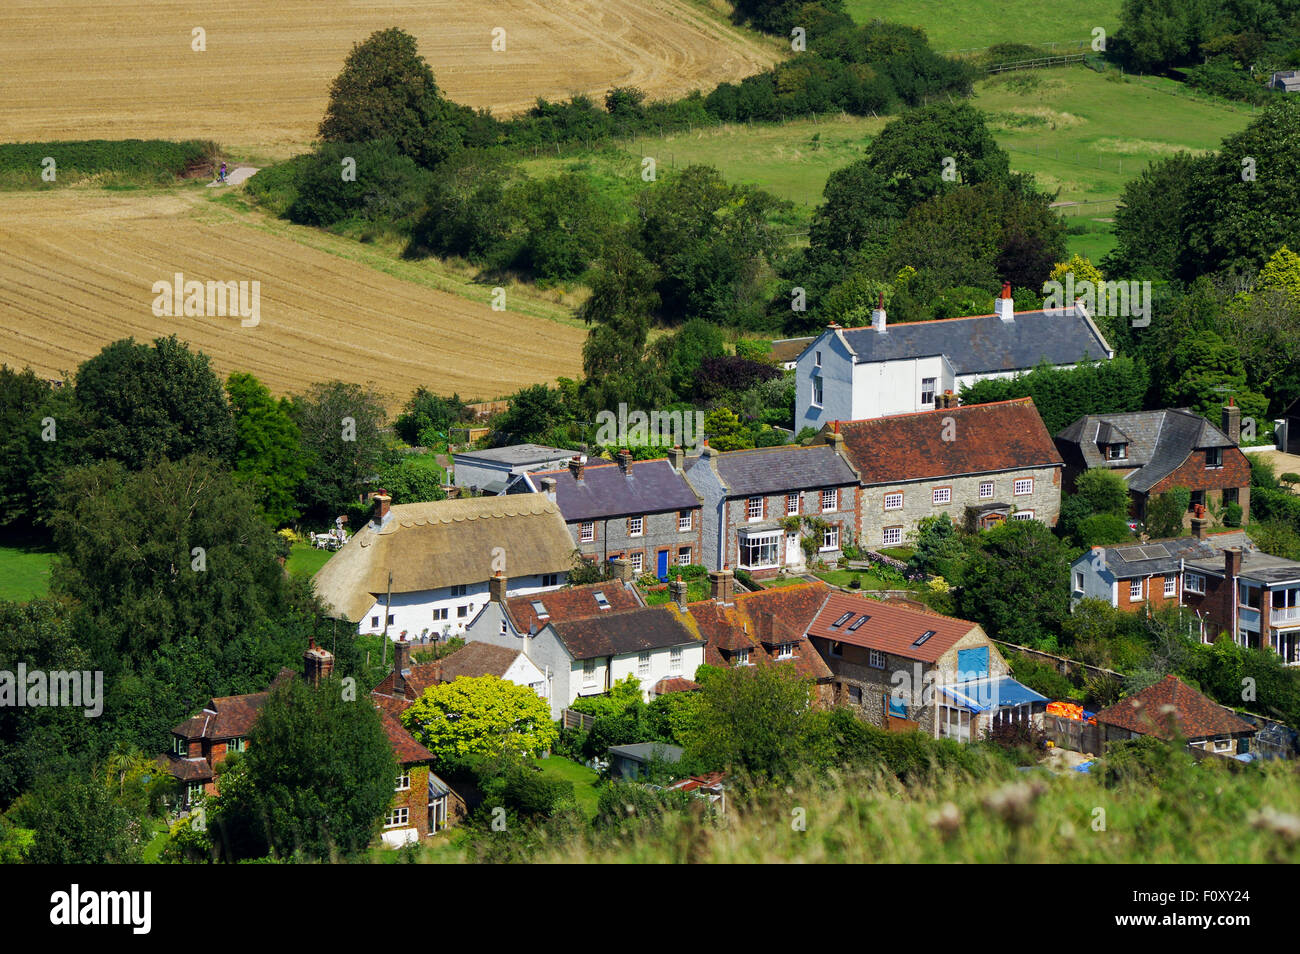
x=1155, y=451
x=1171, y=707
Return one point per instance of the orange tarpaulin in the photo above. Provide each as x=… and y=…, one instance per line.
x=1068, y=710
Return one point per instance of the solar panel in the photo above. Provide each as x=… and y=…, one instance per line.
x=1131, y=554
x=923, y=637
x=1156, y=552
x=841, y=621
x=858, y=622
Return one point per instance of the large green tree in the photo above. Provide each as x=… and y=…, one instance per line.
x=481, y=716
x=77, y=821
x=38, y=433
x=341, y=444
x=138, y=403
x=267, y=456
x=1017, y=584
x=321, y=770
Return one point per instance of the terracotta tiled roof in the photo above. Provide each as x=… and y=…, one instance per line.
x=981, y=439
x=185, y=769
x=405, y=748
x=888, y=628
x=574, y=602
x=760, y=622
x=674, y=684
x=1194, y=715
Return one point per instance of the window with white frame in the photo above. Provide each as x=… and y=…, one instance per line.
x=830, y=499
x=754, y=508
x=685, y=520
x=1194, y=583
x=1078, y=581
x=759, y=550
x=1222, y=743
x=642, y=665
x=635, y=526
x=1171, y=586
x=817, y=359
x=1214, y=457
x=236, y=745
x=193, y=790
x=876, y=659
x=403, y=781
x=986, y=490
x=831, y=538
x=440, y=613
x=891, y=536
x=954, y=723
x=894, y=501
x=785, y=651
x=927, y=390
x=1134, y=590
x=1023, y=515
x=817, y=392
x=589, y=672
x=942, y=495
x=791, y=504
x=675, y=659
x=398, y=818
x=462, y=612
x=1023, y=486
x=638, y=560
x=587, y=532
x=742, y=657
x=180, y=746
x=683, y=556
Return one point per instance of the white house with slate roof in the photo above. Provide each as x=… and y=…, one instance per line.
x=490, y=471
x=852, y=374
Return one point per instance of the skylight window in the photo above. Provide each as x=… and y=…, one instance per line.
x=540, y=609
x=841, y=621
x=858, y=622
x=600, y=600
x=923, y=637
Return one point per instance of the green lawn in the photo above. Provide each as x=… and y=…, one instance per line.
x=304, y=560
x=870, y=579
x=965, y=24
x=24, y=572
x=584, y=781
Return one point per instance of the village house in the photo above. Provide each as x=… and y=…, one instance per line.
x=785, y=351
x=762, y=507
x=1155, y=451
x=422, y=803
x=1172, y=708
x=408, y=680
x=905, y=669
x=586, y=638
x=493, y=470
x=642, y=510
x=980, y=464
x=763, y=628
x=423, y=568
x=851, y=374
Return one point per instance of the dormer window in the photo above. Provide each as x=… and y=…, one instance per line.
x=180, y=746
x=1116, y=451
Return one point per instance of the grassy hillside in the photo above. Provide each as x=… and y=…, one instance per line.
x=964, y=24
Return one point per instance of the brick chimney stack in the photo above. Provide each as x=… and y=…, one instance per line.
x=497, y=587
x=1006, y=307
x=722, y=586
x=1231, y=564
x=317, y=664
x=622, y=569
x=677, y=457
x=402, y=657
x=679, y=590
x=625, y=462
x=1232, y=421
x=1199, y=521
x=548, y=488
x=575, y=467
x=382, y=502
x=878, y=320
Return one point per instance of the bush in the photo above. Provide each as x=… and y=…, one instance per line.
x=388, y=188
x=145, y=161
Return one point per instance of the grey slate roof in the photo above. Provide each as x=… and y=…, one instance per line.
x=616, y=634
x=645, y=751
x=1158, y=442
x=770, y=470
x=516, y=454
x=1255, y=565
x=649, y=486
x=986, y=343
x=1158, y=557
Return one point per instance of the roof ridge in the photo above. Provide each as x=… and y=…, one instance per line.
x=1027, y=399
x=934, y=321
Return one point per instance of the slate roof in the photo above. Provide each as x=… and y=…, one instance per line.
x=572, y=602
x=985, y=343
x=771, y=470
x=645, y=751
x=1157, y=557
x=888, y=628
x=516, y=455
x=987, y=439
x=652, y=627
x=760, y=622
x=1158, y=442
x=1195, y=715
x=1255, y=565
x=649, y=486
x=428, y=546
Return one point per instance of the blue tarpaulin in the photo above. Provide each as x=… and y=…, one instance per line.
x=981, y=695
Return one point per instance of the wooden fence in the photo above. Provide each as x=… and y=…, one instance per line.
x=1073, y=734
x=572, y=719
x=1037, y=63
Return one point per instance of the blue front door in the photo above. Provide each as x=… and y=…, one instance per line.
x=663, y=564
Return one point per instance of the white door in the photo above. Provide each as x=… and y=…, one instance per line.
x=793, y=552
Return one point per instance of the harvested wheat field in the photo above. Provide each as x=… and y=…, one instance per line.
x=79, y=265
x=77, y=69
